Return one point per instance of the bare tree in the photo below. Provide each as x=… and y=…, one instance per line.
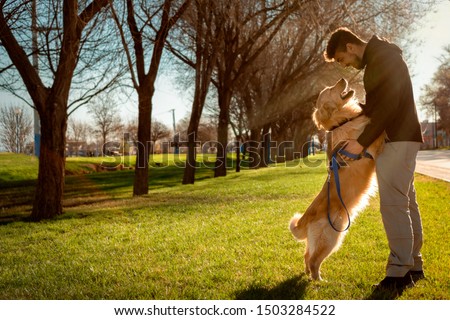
x=78, y=130
x=206, y=131
x=436, y=96
x=106, y=120
x=50, y=95
x=131, y=129
x=237, y=33
x=77, y=136
x=139, y=18
x=249, y=27
x=159, y=131
x=207, y=38
x=201, y=31
x=15, y=128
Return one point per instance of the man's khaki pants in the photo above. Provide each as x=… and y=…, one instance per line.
x=399, y=210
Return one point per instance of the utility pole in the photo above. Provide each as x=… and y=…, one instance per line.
x=176, y=136
x=34, y=44
x=435, y=142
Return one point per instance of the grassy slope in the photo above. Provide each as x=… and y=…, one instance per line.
x=223, y=238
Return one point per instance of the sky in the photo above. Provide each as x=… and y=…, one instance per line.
x=434, y=35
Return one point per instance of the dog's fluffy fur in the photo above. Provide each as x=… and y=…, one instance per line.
x=337, y=111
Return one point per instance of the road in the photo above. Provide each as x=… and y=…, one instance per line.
x=434, y=163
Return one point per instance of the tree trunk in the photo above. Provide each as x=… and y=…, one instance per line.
x=144, y=128
x=206, y=57
x=253, y=149
x=265, y=148
x=189, y=170
x=50, y=184
x=146, y=86
x=222, y=132
x=222, y=137
x=238, y=154
x=104, y=144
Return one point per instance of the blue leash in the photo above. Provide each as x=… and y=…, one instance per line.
x=334, y=168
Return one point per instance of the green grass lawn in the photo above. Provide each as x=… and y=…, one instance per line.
x=224, y=238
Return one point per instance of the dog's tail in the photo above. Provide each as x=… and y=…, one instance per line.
x=297, y=228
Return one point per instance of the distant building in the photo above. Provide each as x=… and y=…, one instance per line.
x=433, y=139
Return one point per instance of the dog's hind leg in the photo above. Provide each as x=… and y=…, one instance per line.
x=324, y=247
x=315, y=261
x=307, y=270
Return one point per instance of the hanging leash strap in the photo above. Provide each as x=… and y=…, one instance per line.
x=353, y=156
x=334, y=169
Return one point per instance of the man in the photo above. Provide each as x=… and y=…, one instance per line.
x=391, y=108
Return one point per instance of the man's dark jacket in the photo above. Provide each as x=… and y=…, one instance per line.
x=389, y=95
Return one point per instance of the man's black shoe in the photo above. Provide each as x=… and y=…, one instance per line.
x=392, y=287
x=399, y=283
x=417, y=275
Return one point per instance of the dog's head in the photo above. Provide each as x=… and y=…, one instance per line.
x=330, y=103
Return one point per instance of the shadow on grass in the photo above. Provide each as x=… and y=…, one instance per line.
x=7, y=219
x=290, y=289
x=386, y=293
x=16, y=193
x=16, y=199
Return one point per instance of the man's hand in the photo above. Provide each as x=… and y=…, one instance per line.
x=353, y=147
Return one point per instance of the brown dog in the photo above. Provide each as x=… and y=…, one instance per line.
x=324, y=224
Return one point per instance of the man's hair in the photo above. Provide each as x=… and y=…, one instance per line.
x=338, y=42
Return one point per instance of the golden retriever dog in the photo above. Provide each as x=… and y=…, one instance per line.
x=324, y=224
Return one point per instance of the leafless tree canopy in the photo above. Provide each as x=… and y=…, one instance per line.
x=99, y=66
x=159, y=131
x=106, y=119
x=15, y=128
x=78, y=130
x=436, y=96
